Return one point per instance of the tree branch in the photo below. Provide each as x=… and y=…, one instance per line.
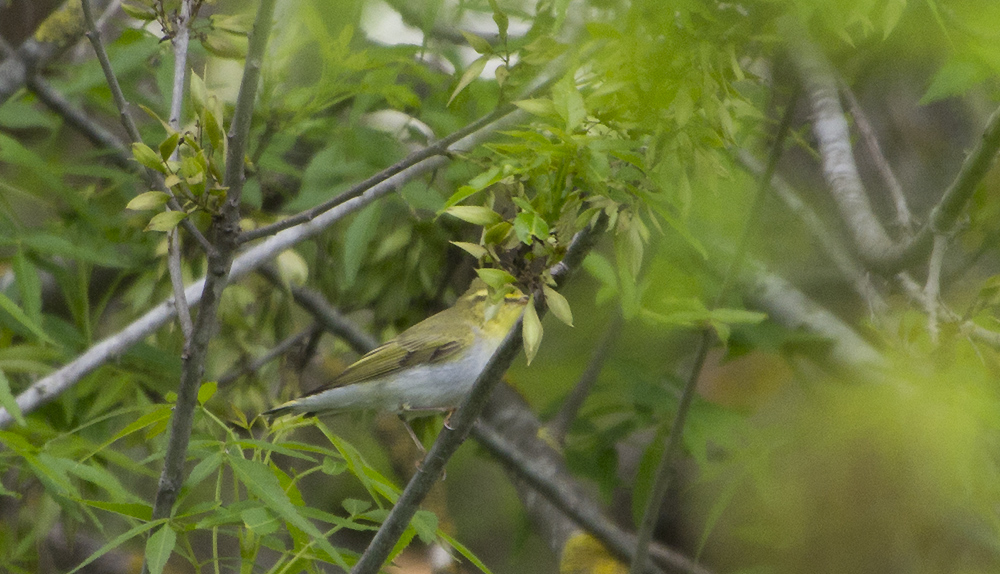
x=52, y=385
x=226, y=228
x=509, y=431
x=870, y=239
x=452, y=437
x=325, y=314
x=285, y=345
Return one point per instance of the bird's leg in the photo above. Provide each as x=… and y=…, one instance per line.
x=413, y=435
x=447, y=419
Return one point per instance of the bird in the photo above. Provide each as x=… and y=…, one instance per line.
x=427, y=368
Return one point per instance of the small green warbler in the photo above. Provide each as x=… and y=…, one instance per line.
x=428, y=367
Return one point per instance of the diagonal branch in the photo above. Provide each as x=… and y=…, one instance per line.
x=872, y=242
x=452, y=437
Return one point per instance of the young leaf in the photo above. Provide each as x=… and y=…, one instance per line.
x=159, y=547
x=147, y=157
x=207, y=391
x=168, y=145
x=475, y=68
x=19, y=315
x=531, y=330
x=495, y=278
x=474, y=214
x=558, y=305
x=165, y=221
x=147, y=201
x=473, y=249
x=478, y=44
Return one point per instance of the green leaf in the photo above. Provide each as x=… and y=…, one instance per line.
x=569, y=103
x=168, y=145
x=264, y=485
x=956, y=77
x=159, y=547
x=497, y=279
x=149, y=200
x=139, y=11
x=21, y=317
x=425, y=523
x=474, y=249
x=147, y=157
x=259, y=521
x=464, y=551
x=359, y=235
x=207, y=391
x=475, y=69
x=531, y=330
x=7, y=400
x=540, y=107
x=558, y=305
x=117, y=542
x=225, y=44
x=474, y=214
x=165, y=221
x=29, y=286
x=478, y=44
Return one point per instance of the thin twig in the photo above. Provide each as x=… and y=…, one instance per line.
x=439, y=147
x=661, y=480
x=904, y=219
x=54, y=384
x=451, y=437
x=226, y=228
x=179, y=42
x=177, y=284
x=325, y=314
x=286, y=344
x=932, y=289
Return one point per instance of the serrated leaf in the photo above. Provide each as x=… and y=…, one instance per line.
x=558, y=305
x=475, y=68
x=159, y=547
x=478, y=44
x=165, y=221
x=425, y=523
x=149, y=200
x=8, y=402
x=147, y=157
x=495, y=278
x=474, y=214
x=569, y=103
x=473, y=249
x=531, y=330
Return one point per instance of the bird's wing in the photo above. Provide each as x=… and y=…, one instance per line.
x=412, y=347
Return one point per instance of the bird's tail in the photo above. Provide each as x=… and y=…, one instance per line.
x=280, y=410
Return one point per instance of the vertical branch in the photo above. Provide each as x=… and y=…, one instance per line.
x=225, y=228
x=179, y=41
x=932, y=289
x=153, y=179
